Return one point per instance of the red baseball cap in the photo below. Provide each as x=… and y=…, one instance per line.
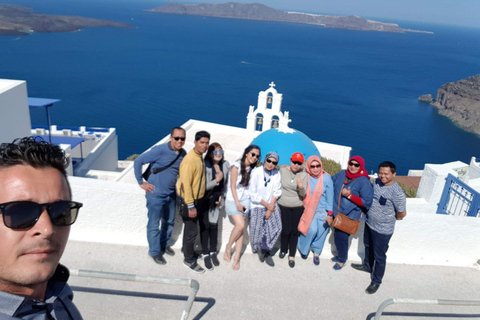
x=297, y=156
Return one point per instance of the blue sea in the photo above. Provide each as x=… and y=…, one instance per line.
x=346, y=87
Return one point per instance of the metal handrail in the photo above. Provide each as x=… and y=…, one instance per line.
x=192, y=283
x=388, y=302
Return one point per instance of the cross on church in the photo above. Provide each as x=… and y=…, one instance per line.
x=272, y=84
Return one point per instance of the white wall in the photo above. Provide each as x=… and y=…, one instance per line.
x=103, y=157
x=339, y=153
x=433, y=180
x=115, y=212
x=14, y=111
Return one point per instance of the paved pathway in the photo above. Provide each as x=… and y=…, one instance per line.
x=258, y=291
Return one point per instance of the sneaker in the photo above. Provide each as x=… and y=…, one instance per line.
x=269, y=261
x=195, y=267
x=159, y=259
x=213, y=256
x=316, y=260
x=282, y=255
x=169, y=251
x=208, y=261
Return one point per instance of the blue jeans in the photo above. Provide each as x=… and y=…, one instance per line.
x=376, y=246
x=159, y=207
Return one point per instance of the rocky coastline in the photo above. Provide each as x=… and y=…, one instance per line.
x=460, y=101
x=256, y=11
x=20, y=20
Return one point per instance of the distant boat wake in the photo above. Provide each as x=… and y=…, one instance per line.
x=245, y=62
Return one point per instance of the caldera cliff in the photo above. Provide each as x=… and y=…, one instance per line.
x=460, y=101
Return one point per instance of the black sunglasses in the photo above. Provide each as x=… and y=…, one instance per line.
x=354, y=164
x=298, y=163
x=274, y=162
x=255, y=155
x=24, y=214
x=315, y=166
x=179, y=138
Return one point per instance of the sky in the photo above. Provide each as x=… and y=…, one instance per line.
x=450, y=12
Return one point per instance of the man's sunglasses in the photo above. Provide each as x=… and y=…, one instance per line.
x=354, y=164
x=298, y=163
x=179, y=138
x=274, y=162
x=255, y=155
x=24, y=214
x=315, y=166
x=217, y=153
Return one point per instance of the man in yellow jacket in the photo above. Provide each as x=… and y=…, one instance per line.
x=191, y=187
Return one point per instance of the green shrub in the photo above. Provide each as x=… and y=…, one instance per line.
x=331, y=166
x=410, y=191
x=132, y=157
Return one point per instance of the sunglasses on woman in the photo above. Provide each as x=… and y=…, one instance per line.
x=357, y=165
x=25, y=214
x=255, y=155
x=313, y=166
x=270, y=161
x=217, y=153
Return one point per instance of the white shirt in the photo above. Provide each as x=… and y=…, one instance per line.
x=242, y=191
x=257, y=189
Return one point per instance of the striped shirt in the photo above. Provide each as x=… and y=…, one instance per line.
x=387, y=201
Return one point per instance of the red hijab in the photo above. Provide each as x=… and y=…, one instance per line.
x=361, y=172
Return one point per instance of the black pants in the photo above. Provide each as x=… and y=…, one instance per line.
x=290, y=219
x=190, y=233
x=341, y=242
x=208, y=231
x=376, y=246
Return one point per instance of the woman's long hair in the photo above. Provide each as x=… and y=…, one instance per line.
x=209, y=155
x=243, y=169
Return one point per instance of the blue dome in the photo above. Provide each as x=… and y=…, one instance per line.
x=285, y=144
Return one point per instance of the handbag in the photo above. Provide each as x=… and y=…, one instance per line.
x=182, y=206
x=343, y=222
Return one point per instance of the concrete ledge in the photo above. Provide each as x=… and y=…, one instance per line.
x=115, y=212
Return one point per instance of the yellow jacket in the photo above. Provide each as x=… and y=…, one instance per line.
x=192, y=170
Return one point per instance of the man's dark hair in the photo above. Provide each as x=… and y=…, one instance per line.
x=177, y=128
x=33, y=152
x=388, y=164
x=202, y=134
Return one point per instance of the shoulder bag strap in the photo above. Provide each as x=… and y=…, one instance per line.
x=340, y=197
x=158, y=170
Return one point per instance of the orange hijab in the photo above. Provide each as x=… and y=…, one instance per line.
x=310, y=202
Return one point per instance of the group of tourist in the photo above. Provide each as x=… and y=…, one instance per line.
x=299, y=203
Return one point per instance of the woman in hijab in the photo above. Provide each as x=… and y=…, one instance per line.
x=318, y=216
x=265, y=221
x=353, y=196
